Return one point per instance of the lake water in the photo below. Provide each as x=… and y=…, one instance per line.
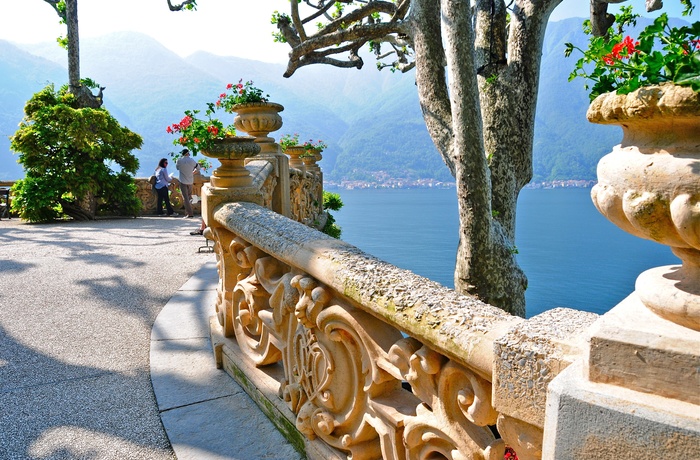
x=572, y=255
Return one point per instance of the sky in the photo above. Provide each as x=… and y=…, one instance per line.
x=224, y=27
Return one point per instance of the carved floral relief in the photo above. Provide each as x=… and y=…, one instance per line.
x=346, y=373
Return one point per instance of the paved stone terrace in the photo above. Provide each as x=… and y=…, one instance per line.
x=78, y=347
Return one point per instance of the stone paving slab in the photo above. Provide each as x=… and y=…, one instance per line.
x=185, y=315
x=229, y=428
x=206, y=414
x=183, y=372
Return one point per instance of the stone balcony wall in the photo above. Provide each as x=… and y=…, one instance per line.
x=352, y=356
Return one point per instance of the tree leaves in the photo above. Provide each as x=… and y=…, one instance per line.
x=72, y=154
x=661, y=54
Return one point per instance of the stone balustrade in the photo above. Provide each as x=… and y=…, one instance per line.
x=372, y=361
x=352, y=357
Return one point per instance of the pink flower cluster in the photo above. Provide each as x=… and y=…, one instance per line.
x=239, y=89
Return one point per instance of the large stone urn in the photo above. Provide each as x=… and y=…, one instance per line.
x=639, y=371
x=232, y=152
x=258, y=119
x=650, y=187
x=311, y=159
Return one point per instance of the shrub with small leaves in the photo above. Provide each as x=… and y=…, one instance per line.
x=77, y=161
x=332, y=201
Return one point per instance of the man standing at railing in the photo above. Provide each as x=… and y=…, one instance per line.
x=186, y=166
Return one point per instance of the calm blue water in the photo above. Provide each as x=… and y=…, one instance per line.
x=572, y=255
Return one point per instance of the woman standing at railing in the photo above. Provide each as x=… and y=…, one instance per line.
x=162, y=182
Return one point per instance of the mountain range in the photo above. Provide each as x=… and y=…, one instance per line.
x=370, y=120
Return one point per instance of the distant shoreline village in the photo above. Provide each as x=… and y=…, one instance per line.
x=431, y=183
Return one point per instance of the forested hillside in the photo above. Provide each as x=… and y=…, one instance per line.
x=371, y=120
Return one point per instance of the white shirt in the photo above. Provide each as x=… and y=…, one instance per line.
x=186, y=165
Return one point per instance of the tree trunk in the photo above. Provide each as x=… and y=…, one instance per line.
x=488, y=52
x=85, y=209
x=484, y=130
x=73, y=46
x=81, y=92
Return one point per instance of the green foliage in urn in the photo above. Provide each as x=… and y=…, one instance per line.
x=311, y=147
x=289, y=140
x=78, y=161
x=331, y=201
x=621, y=63
x=240, y=93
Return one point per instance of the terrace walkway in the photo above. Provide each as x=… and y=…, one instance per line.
x=85, y=340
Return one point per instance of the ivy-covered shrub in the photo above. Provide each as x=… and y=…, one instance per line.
x=77, y=161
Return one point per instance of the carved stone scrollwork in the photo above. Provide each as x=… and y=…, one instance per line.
x=249, y=299
x=343, y=368
x=295, y=180
x=331, y=371
x=452, y=421
x=228, y=272
x=268, y=188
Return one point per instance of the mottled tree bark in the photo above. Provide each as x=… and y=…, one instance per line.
x=486, y=140
x=70, y=16
x=477, y=74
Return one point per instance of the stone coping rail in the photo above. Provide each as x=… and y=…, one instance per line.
x=468, y=365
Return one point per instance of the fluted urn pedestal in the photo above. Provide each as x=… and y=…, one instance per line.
x=311, y=160
x=259, y=119
x=232, y=153
x=640, y=372
x=295, y=157
x=232, y=180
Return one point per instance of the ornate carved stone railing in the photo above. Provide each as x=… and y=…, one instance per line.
x=306, y=197
x=352, y=356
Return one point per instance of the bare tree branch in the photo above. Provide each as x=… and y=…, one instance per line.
x=601, y=20
x=54, y=5
x=357, y=35
x=320, y=12
x=182, y=5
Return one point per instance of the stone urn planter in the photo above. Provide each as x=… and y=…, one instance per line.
x=649, y=186
x=258, y=119
x=232, y=152
x=295, y=157
x=311, y=159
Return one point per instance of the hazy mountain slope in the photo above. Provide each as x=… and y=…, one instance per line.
x=371, y=120
x=566, y=145
x=21, y=75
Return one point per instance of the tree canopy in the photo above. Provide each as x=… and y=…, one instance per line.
x=78, y=160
